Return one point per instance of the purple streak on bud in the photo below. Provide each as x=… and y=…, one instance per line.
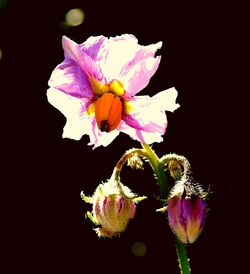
x=96, y=206
x=120, y=204
x=186, y=217
x=104, y=206
x=113, y=213
x=132, y=210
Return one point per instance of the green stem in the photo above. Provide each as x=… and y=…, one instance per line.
x=182, y=257
x=158, y=168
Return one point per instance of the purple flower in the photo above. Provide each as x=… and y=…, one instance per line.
x=186, y=214
x=95, y=88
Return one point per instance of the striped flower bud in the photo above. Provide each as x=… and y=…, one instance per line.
x=113, y=213
x=113, y=206
x=186, y=211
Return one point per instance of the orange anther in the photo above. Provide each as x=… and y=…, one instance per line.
x=108, y=112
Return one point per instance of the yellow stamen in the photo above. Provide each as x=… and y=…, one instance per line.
x=98, y=87
x=91, y=109
x=128, y=107
x=116, y=87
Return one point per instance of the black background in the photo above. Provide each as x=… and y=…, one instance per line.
x=44, y=230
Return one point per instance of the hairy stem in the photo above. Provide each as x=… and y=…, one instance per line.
x=125, y=157
x=158, y=166
x=182, y=257
x=158, y=169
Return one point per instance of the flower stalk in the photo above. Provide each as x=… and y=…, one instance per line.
x=158, y=168
x=182, y=257
x=125, y=158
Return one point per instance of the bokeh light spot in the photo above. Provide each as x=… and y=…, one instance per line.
x=74, y=17
x=1, y=54
x=139, y=249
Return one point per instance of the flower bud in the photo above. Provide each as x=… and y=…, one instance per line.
x=113, y=206
x=186, y=211
x=175, y=169
x=135, y=161
x=113, y=213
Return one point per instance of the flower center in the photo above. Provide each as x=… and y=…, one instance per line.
x=108, y=112
x=108, y=107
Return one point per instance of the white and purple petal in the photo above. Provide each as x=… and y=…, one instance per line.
x=148, y=114
x=94, y=46
x=74, y=52
x=166, y=99
x=117, y=52
x=121, y=57
x=99, y=138
x=140, y=135
x=69, y=78
x=138, y=76
x=77, y=124
x=143, y=53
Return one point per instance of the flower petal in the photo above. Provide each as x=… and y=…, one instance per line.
x=134, y=67
x=138, y=77
x=143, y=53
x=140, y=135
x=76, y=128
x=76, y=53
x=196, y=222
x=99, y=138
x=148, y=114
x=69, y=78
x=176, y=221
x=149, y=120
x=137, y=73
x=117, y=52
x=94, y=46
x=166, y=99
x=72, y=108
